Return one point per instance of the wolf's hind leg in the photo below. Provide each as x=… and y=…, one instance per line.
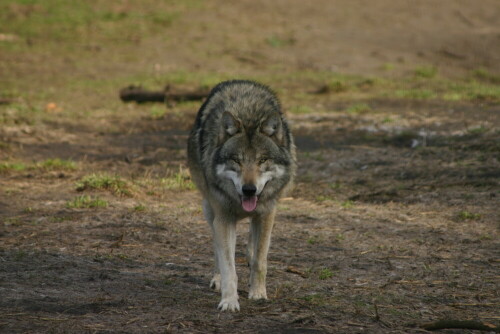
x=209, y=216
x=250, y=249
x=261, y=228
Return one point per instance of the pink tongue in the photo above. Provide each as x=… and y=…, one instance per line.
x=249, y=203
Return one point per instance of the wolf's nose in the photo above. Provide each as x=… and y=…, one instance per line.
x=249, y=190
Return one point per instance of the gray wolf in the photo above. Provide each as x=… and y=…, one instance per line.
x=241, y=156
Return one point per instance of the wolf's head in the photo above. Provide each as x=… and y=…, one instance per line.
x=253, y=161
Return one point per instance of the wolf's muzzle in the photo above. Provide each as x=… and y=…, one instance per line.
x=249, y=190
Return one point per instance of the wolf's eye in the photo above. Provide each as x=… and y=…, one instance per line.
x=262, y=160
x=235, y=160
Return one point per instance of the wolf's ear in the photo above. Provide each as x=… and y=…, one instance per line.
x=230, y=126
x=273, y=128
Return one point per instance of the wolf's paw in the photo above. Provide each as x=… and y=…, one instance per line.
x=257, y=293
x=229, y=304
x=215, y=282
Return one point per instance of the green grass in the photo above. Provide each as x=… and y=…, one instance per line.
x=157, y=111
x=12, y=166
x=339, y=85
x=279, y=42
x=347, y=204
x=113, y=184
x=139, y=208
x=388, y=66
x=179, y=181
x=56, y=164
x=301, y=109
x=85, y=202
x=427, y=72
x=19, y=113
x=312, y=240
x=477, y=130
x=485, y=75
x=83, y=21
x=324, y=198
x=45, y=165
x=325, y=273
x=358, y=108
x=467, y=215
x=415, y=93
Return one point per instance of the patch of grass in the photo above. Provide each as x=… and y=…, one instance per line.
x=59, y=219
x=85, y=202
x=157, y=111
x=347, y=204
x=20, y=255
x=56, y=164
x=325, y=273
x=114, y=184
x=301, y=109
x=477, y=130
x=46, y=165
x=20, y=113
x=358, y=108
x=323, y=198
x=472, y=90
x=279, y=42
x=484, y=92
x=338, y=86
x=388, y=66
x=467, y=215
x=415, y=93
x=12, y=166
x=139, y=208
x=427, y=72
x=335, y=185
x=485, y=75
x=314, y=298
x=312, y=240
x=56, y=20
x=179, y=181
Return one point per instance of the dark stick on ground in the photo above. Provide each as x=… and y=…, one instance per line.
x=140, y=95
x=5, y=101
x=459, y=324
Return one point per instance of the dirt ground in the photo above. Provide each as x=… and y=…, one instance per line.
x=393, y=222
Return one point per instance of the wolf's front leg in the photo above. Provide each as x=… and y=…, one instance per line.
x=208, y=212
x=225, y=243
x=260, y=229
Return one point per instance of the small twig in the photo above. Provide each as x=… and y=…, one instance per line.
x=410, y=282
x=459, y=324
x=474, y=304
x=5, y=101
x=355, y=324
x=11, y=314
x=296, y=271
x=49, y=319
x=132, y=320
x=377, y=315
x=118, y=242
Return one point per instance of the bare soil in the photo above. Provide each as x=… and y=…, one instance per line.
x=393, y=222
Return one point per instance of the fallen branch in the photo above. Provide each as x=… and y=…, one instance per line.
x=5, y=101
x=459, y=324
x=293, y=270
x=140, y=95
